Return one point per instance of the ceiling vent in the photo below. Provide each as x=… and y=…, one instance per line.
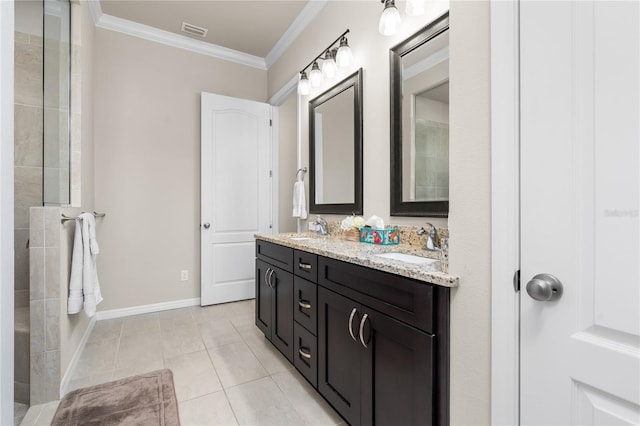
x=194, y=30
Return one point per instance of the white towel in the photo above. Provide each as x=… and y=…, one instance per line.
x=84, y=288
x=299, y=200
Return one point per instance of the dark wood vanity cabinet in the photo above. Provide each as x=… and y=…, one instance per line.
x=274, y=301
x=374, y=344
x=373, y=369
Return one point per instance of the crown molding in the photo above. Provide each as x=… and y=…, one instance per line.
x=304, y=18
x=147, y=32
x=285, y=91
x=96, y=10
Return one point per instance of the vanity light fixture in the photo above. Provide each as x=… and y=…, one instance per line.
x=332, y=57
x=390, y=18
x=344, y=56
x=329, y=67
x=315, y=76
x=304, y=87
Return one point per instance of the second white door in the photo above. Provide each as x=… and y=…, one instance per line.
x=236, y=193
x=580, y=132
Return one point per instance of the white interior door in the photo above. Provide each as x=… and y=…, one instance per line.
x=580, y=95
x=236, y=194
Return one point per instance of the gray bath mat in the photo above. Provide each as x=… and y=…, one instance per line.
x=146, y=399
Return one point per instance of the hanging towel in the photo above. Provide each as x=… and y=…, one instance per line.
x=299, y=200
x=84, y=288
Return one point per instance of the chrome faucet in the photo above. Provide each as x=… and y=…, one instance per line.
x=322, y=228
x=433, y=242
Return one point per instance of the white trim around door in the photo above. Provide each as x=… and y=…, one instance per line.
x=505, y=190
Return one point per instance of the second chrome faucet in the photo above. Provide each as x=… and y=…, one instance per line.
x=433, y=241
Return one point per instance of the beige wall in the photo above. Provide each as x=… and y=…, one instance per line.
x=470, y=187
x=73, y=327
x=470, y=215
x=287, y=162
x=147, y=163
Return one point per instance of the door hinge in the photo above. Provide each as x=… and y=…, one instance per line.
x=516, y=281
x=270, y=173
x=270, y=226
x=270, y=123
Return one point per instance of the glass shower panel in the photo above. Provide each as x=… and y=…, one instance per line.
x=57, y=99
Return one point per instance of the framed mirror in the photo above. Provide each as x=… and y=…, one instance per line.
x=335, y=148
x=420, y=122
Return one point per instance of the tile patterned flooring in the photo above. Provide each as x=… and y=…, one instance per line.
x=224, y=370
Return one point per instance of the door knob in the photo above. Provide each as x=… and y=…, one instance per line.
x=207, y=225
x=544, y=287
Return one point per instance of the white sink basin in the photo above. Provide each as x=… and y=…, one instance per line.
x=409, y=258
x=299, y=238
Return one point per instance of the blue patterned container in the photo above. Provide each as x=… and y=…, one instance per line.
x=385, y=237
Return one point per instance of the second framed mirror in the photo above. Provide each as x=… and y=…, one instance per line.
x=335, y=148
x=420, y=122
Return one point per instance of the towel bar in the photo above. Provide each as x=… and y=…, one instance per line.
x=66, y=218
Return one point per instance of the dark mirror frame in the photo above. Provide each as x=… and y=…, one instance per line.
x=398, y=206
x=355, y=81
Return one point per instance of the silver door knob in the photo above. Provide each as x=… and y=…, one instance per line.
x=545, y=288
x=207, y=225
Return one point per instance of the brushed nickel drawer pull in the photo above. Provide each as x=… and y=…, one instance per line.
x=271, y=274
x=364, y=320
x=304, y=354
x=304, y=266
x=266, y=277
x=304, y=304
x=350, y=325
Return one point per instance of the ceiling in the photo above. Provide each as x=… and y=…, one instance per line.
x=248, y=26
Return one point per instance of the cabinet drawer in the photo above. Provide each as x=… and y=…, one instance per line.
x=305, y=304
x=305, y=357
x=402, y=298
x=275, y=254
x=305, y=265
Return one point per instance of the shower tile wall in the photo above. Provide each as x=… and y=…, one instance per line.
x=45, y=304
x=28, y=188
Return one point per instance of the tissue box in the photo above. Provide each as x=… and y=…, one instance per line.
x=384, y=237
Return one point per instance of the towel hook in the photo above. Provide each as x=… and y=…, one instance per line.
x=303, y=170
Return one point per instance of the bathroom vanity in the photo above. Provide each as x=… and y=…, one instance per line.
x=370, y=333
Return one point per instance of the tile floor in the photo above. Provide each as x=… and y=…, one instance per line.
x=224, y=370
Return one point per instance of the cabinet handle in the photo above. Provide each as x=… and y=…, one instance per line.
x=364, y=320
x=304, y=354
x=266, y=277
x=350, y=325
x=304, y=304
x=271, y=284
x=304, y=266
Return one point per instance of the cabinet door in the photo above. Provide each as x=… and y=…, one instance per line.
x=282, y=309
x=397, y=373
x=264, y=299
x=338, y=354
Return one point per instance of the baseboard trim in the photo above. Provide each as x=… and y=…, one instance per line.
x=145, y=309
x=66, y=378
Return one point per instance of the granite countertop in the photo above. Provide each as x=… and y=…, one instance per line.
x=363, y=254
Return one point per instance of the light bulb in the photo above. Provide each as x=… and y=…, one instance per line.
x=329, y=67
x=344, y=56
x=390, y=19
x=415, y=7
x=315, y=76
x=304, y=88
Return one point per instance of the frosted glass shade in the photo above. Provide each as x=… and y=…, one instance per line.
x=389, y=20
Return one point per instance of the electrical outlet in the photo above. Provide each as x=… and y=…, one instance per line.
x=184, y=275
